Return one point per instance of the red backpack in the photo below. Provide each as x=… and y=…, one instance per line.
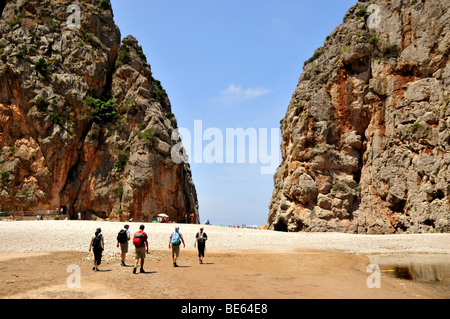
x=139, y=239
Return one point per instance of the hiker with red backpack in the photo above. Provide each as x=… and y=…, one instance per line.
x=141, y=247
x=176, y=238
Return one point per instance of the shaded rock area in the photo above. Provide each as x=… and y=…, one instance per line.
x=83, y=122
x=366, y=137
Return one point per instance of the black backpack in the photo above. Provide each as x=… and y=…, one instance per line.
x=97, y=242
x=122, y=236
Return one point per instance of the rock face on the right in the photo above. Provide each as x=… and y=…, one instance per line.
x=366, y=137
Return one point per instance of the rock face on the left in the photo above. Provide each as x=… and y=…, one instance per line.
x=83, y=122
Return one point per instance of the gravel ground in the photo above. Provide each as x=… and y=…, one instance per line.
x=52, y=236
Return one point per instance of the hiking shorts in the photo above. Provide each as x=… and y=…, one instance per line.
x=140, y=253
x=176, y=250
x=124, y=247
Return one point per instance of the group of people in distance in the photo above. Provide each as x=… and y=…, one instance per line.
x=140, y=242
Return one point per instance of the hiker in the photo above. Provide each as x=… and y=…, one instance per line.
x=122, y=239
x=97, y=244
x=141, y=247
x=200, y=241
x=176, y=238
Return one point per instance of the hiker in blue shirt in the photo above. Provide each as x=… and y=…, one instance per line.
x=122, y=239
x=176, y=238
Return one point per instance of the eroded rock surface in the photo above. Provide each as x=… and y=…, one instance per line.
x=366, y=137
x=83, y=122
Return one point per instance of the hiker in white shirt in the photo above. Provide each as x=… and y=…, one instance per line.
x=200, y=242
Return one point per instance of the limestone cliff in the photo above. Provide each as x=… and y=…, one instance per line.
x=366, y=137
x=83, y=123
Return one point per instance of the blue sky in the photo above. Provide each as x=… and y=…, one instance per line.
x=229, y=64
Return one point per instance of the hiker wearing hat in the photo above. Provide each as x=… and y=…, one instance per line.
x=176, y=238
x=97, y=244
x=200, y=241
x=122, y=239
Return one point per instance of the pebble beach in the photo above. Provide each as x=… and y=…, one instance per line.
x=240, y=263
x=69, y=235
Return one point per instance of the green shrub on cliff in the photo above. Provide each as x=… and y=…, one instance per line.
x=4, y=175
x=120, y=165
x=119, y=190
x=392, y=50
x=315, y=56
x=104, y=111
x=361, y=13
x=148, y=136
x=14, y=22
x=158, y=90
x=41, y=66
x=122, y=58
x=340, y=188
x=104, y=4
